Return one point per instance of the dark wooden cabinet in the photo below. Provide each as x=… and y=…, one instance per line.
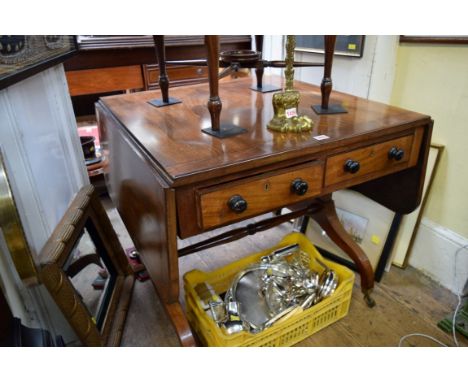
x=116, y=64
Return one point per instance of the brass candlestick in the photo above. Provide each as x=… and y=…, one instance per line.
x=285, y=104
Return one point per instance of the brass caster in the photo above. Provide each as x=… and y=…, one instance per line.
x=369, y=300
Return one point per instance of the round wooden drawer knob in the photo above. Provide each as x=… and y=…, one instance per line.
x=299, y=186
x=237, y=204
x=396, y=153
x=352, y=166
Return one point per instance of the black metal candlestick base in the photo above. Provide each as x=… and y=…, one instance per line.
x=161, y=103
x=332, y=109
x=226, y=130
x=266, y=88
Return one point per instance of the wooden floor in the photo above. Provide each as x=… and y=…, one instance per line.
x=407, y=302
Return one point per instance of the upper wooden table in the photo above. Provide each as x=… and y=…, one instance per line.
x=169, y=179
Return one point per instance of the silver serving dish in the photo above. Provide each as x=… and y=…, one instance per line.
x=274, y=289
x=248, y=293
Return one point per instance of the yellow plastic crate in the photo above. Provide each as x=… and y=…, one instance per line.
x=286, y=333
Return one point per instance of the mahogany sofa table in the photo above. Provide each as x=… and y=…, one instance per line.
x=169, y=180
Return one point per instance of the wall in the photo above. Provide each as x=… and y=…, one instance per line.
x=370, y=76
x=433, y=79
x=273, y=49
x=435, y=254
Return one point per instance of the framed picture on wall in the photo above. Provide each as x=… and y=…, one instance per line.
x=425, y=39
x=351, y=45
x=22, y=56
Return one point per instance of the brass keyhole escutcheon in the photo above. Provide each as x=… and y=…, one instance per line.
x=372, y=153
x=267, y=186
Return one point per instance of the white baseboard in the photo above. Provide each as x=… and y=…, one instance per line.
x=434, y=254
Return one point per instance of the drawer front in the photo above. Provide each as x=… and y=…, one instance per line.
x=372, y=159
x=178, y=75
x=258, y=195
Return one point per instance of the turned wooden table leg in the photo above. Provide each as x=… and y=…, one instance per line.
x=327, y=218
x=260, y=67
x=161, y=56
x=215, y=105
x=327, y=84
x=163, y=78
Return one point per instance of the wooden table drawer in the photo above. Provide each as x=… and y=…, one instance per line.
x=371, y=159
x=178, y=75
x=261, y=193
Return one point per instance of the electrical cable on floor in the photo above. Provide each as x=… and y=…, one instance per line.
x=459, y=295
x=420, y=335
x=454, y=331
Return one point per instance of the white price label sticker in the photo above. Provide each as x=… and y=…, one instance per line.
x=321, y=137
x=291, y=112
